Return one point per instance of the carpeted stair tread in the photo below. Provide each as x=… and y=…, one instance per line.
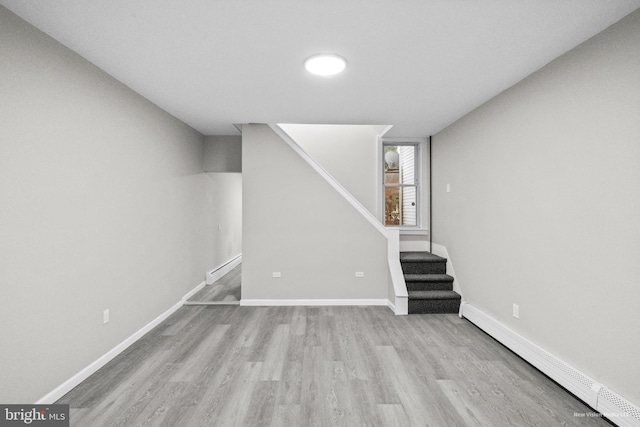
x=433, y=295
x=429, y=288
x=433, y=306
x=420, y=257
x=428, y=278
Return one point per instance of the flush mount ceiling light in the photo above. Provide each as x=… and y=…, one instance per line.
x=325, y=64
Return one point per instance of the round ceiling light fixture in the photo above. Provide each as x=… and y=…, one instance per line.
x=325, y=64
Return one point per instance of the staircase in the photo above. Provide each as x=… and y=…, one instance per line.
x=430, y=289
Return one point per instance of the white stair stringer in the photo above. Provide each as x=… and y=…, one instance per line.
x=400, y=299
x=330, y=179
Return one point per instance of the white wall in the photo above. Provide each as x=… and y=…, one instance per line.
x=544, y=208
x=223, y=160
x=224, y=212
x=101, y=207
x=222, y=153
x=352, y=155
x=349, y=153
x=294, y=222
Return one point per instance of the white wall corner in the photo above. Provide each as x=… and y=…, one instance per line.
x=85, y=373
x=76, y=379
x=223, y=269
x=409, y=243
x=391, y=305
x=461, y=310
x=441, y=250
x=401, y=306
x=193, y=291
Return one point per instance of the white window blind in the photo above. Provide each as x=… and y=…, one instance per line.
x=407, y=171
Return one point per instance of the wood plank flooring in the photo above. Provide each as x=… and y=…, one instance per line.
x=224, y=290
x=319, y=366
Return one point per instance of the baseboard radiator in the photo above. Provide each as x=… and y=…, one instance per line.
x=221, y=270
x=602, y=399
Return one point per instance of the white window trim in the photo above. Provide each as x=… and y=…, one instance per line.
x=421, y=227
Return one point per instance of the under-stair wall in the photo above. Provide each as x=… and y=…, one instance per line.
x=349, y=153
x=296, y=224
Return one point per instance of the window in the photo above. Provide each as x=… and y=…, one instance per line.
x=401, y=184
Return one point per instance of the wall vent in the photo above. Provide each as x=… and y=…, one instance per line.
x=570, y=378
x=223, y=269
x=611, y=405
x=617, y=409
x=573, y=380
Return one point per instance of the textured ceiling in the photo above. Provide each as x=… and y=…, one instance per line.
x=417, y=65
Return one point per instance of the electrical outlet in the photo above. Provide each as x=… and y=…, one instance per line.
x=359, y=273
x=516, y=311
x=277, y=274
x=448, y=188
x=219, y=227
x=105, y=316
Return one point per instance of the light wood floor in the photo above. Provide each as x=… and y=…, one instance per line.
x=319, y=366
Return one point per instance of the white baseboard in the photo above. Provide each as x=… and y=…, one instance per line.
x=72, y=382
x=193, y=291
x=311, y=302
x=223, y=269
x=75, y=380
x=617, y=409
x=391, y=305
x=194, y=303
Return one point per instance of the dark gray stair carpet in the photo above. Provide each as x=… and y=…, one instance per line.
x=428, y=278
x=434, y=295
x=428, y=282
x=420, y=257
x=421, y=306
x=430, y=289
x=422, y=263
